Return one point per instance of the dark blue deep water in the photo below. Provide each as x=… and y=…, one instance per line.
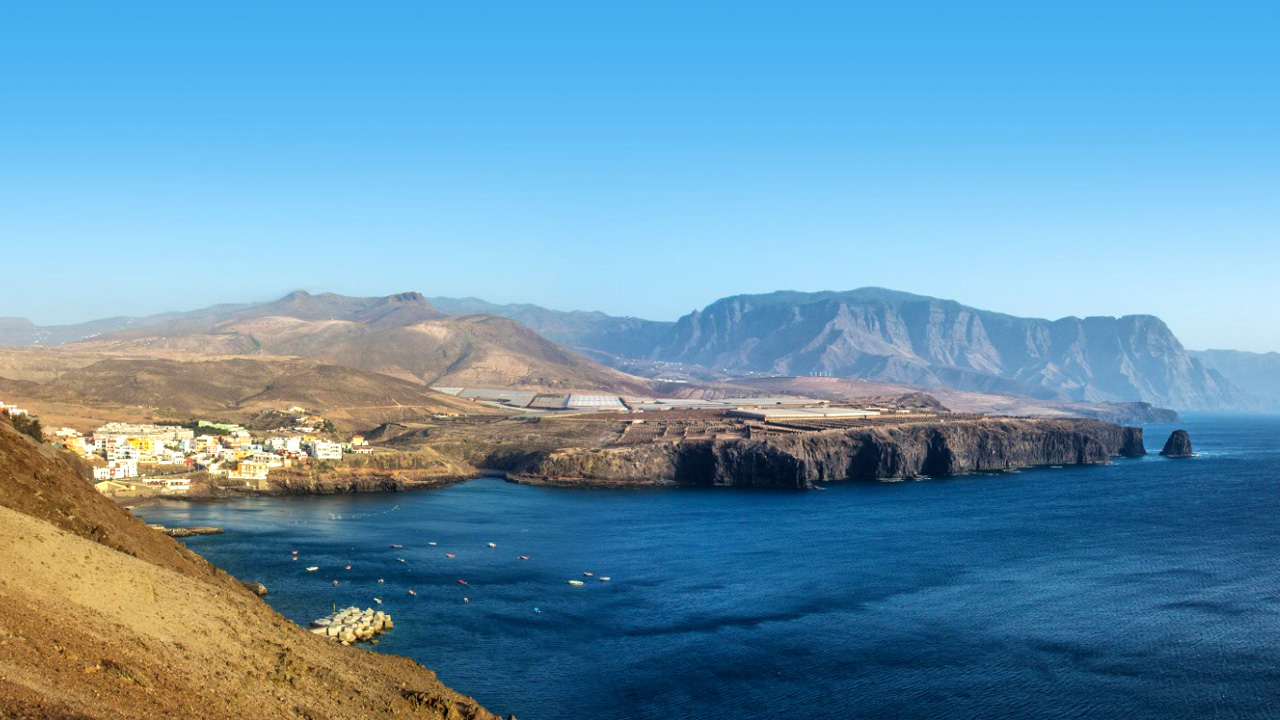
x=1145, y=589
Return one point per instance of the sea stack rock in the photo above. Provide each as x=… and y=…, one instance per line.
x=1178, y=445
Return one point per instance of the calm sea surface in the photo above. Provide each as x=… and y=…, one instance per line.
x=1145, y=589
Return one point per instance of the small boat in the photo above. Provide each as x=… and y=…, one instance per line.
x=295, y=552
x=524, y=557
x=413, y=593
x=431, y=544
x=400, y=559
x=589, y=574
x=335, y=582
x=378, y=600
x=537, y=611
x=397, y=547
x=313, y=568
x=605, y=579
x=571, y=582
x=294, y=558
x=462, y=582
x=466, y=600
x=493, y=544
x=348, y=567
x=381, y=580
x=449, y=555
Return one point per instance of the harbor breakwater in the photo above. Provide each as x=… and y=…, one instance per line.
x=351, y=625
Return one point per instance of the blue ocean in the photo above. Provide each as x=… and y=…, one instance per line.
x=1145, y=589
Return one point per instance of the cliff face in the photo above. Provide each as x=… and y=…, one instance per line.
x=801, y=461
x=1257, y=373
x=897, y=337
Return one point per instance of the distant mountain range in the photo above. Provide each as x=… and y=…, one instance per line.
x=1258, y=373
x=402, y=335
x=897, y=337
x=869, y=333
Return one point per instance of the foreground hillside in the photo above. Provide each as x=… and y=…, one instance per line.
x=104, y=618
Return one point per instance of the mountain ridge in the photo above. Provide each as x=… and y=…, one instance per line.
x=888, y=335
x=873, y=333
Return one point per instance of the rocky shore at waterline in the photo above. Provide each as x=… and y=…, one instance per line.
x=804, y=460
x=183, y=532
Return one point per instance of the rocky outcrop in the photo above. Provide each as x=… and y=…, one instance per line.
x=1178, y=445
x=256, y=588
x=951, y=447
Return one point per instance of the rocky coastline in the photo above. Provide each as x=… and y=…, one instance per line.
x=945, y=447
x=804, y=461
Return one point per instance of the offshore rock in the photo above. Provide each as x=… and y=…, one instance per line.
x=946, y=447
x=1178, y=445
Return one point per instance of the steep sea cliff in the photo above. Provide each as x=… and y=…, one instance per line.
x=953, y=447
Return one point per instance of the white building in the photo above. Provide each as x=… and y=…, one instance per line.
x=323, y=450
x=123, y=453
x=117, y=470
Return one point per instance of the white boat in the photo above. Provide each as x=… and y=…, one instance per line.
x=378, y=600
x=589, y=574
x=604, y=579
x=493, y=545
x=431, y=543
x=575, y=582
x=313, y=568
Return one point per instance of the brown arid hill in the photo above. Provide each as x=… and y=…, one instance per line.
x=402, y=336
x=105, y=618
x=478, y=351
x=40, y=365
x=232, y=388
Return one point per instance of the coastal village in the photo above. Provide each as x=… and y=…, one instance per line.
x=130, y=459
x=159, y=459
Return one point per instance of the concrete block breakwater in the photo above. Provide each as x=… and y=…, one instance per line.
x=352, y=625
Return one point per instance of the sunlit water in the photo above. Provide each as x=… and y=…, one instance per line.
x=1145, y=589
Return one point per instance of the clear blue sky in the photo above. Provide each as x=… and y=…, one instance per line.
x=645, y=158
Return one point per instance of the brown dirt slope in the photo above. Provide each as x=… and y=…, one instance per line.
x=185, y=387
x=104, y=618
x=477, y=351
